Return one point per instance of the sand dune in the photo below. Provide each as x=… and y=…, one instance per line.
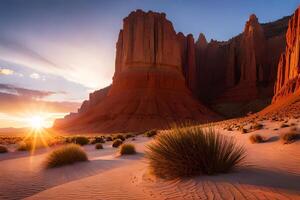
x=272, y=172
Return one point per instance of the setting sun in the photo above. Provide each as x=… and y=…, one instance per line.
x=36, y=122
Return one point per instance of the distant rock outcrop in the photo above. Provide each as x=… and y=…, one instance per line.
x=148, y=89
x=288, y=75
x=237, y=71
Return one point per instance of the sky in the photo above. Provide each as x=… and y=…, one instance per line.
x=53, y=53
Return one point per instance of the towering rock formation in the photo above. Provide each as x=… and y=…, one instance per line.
x=148, y=89
x=288, y=76
x=237, y=71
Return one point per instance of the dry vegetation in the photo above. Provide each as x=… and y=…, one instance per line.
x=193, y=151
x=127, y=149
x=98, y=146
x=116, y=143
x=3, y=149
x=65, y=155
x=256, y=138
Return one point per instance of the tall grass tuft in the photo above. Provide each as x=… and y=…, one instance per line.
x=193, y=151
x=3, y=149
x=66, y=155
x=127, y=149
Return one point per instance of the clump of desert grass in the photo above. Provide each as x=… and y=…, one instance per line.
x=192, y=151
x=150, y=133
x=98, y=146
x=108, y=138
x=24, y=146
x=121, y=137
x=3, y=149
x=81, y=140
x=97, y=139
x=256, y=126
x=284, y=125
x=290, y=137
x=127, y=149
x=256, y=138
x=116, y=143
x=66, y=155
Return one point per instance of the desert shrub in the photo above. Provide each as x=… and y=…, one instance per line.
x=24, y=146
x=66, y=155
x=108, y=138
x=3, y=149
x=256, y=138
x=127, y=149
x=81, y=140
x=256, y=126
x=96, y=140
x=98, y=146
x=121, y=137
x=128, y=136
x=243, y=130
x=193, y=151
x=284, y=125
x=116, y=143
x=290, y=137
x=150, y=133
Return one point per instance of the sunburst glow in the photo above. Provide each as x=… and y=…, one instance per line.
x=37, y=122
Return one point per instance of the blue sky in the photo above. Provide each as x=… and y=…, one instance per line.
x=67, y=47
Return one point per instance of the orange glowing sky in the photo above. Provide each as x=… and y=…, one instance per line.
x=53, y=53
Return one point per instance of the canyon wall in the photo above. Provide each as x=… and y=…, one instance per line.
x=288, y=75
x=148, y=90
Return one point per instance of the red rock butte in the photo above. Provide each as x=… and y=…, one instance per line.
x=161, y=77
x=148, y=89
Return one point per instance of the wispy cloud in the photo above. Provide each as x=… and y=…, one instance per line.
x=23, y=92
x=35, y=76
x=5, y=71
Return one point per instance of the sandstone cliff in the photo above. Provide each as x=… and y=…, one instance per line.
x=288, y=75
x=149, y=89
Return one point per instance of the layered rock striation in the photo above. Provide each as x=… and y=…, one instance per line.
x=288, y=75
x=148, y=90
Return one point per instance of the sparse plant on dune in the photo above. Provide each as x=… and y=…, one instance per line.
x=3, y=149
x=98, y=146
x=129, y=136
x=256, y=138
x=97, y=139
x=24, y=146
x=108, y=138
x=284, y=125
x=193, y=151
x=290, y=137
x=117, y=143
x=66, y=155
x=256, y=126
x=127, y=149
x=121, y=137
x=150, y=133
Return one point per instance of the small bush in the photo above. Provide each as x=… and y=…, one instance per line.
x=121, y=137
x=98, y=140
x=81, y=140
x=66, y=155
x=256, y=126
x=150, y=133
x=127, y=149
x=288, y=138
x=284, y=125
x=243, y=130
x=117, y=143
x=24, y=146
x=256, y=138
x=108, y=139
x=3, y=149
x=193, y=151
x=98, y=146
x=128, y=136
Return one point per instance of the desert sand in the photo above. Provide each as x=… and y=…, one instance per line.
x=271, y=171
